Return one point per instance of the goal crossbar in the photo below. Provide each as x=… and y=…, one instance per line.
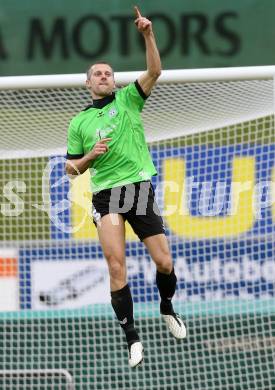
x=122, y=78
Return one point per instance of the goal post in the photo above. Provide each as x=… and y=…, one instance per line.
x=27, y=375
x=211, y=136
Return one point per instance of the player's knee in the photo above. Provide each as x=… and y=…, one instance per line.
x=164, y=262
x=116, y=267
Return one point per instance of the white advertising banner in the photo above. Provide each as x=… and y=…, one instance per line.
x=69, y=283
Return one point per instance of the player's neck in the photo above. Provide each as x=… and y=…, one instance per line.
x=103, y=101
x=98, y=97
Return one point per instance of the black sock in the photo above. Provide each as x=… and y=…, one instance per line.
x=166, y=284
x=123, y=307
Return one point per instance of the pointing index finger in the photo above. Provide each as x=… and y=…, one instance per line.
x=104, y=140
x=138, y=14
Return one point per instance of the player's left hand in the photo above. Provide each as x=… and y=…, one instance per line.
x=144, y=25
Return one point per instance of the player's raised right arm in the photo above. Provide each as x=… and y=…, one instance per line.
x=78, y=166
x=148, y=79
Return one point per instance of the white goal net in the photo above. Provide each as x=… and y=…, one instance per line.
x=211, y=136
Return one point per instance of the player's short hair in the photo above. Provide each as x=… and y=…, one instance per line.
x=89, y=70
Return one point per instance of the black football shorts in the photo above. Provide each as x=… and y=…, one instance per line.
x=136, y=203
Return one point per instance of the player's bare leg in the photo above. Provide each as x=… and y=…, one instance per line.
x=166, y=279
x=112, y=238
x=111, y=234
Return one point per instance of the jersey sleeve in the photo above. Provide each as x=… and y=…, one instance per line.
x=75, y=143
x=133, y=95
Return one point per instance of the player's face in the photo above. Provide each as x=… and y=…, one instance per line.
x=101, y=82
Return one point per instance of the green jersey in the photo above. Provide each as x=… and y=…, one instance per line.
x=118, y=117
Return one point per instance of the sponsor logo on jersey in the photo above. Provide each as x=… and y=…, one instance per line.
x=103, y=133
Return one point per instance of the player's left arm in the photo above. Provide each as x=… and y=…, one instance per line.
x=148, y=79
